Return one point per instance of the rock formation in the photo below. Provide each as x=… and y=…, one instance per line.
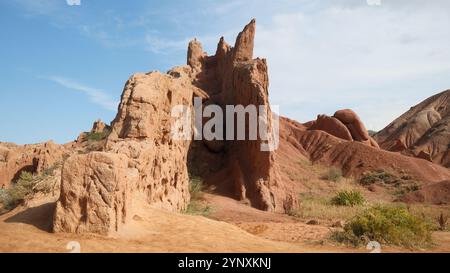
x=98, y=127
x=344, y=124
x=233, y=77
x=35, y=158
x=95, y=193
x=142, y=156
x=423, y=131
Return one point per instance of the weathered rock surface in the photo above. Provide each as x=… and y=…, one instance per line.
x=140, y=156
x=423, y=131
x=95, y=193
x=34, y=158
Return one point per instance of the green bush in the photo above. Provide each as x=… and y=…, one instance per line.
x=369, y=178
x=386, y=225
x=348, y=198
x=97, y=136
x=23, y=186
x=333, y=174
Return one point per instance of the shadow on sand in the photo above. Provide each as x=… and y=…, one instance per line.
x=40, y=217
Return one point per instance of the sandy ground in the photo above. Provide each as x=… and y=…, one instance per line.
x=235, y=227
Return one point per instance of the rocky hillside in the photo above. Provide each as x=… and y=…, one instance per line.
x=423, y=131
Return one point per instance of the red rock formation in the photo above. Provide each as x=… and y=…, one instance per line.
x=344, y=124
x=355, y=158
x=233, y=77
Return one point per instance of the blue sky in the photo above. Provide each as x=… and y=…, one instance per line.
x=64, y=66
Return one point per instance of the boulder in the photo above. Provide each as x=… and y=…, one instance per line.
x=95, y=193
x=344, y=124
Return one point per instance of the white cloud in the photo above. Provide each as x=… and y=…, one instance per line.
x=372, y=59
x=97, y=96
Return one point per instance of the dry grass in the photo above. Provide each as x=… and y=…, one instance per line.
x=197, y=206
x=431, y=214
x=320, y=208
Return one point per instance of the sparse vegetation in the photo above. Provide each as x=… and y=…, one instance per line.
x=369, y=178
x=333, y=174
x=348, y=198
x=314, y=207
x=387, y=225
x=430, y=213
x=52, y=169
x=97, y=136
x=196, y=187
x=25, y=185
x=442, y=221
x=13, y=196
x=196, y=206
x=404, y=189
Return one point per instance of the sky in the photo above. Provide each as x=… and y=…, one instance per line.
x=64, y=66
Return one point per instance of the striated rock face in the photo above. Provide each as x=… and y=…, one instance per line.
x=423, y=131
x=34, y=158
x=344, y=124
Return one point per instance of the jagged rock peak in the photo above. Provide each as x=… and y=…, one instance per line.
x=243, y=48
x=241, y=52
x=195, y=54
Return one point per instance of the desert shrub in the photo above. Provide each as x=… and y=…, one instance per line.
x=386, y=225
x=197, y=206
x=22, y=187
x=404, y=189
x=348, y=198
x=97, y=136
x=51, y=170
x=333, y=174
x=195, y=187
x=369, y=178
